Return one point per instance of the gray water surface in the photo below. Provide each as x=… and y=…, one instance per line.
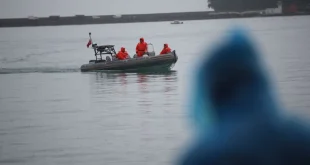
x=51, y=113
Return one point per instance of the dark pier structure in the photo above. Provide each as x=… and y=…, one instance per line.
x=102, y=19
x=223, y=9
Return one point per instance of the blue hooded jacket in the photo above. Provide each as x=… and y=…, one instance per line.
x=236, y=112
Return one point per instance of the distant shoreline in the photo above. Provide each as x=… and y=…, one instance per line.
x=132, y=18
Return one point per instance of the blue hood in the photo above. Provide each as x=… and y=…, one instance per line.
x=231, y=83
x=236, y=113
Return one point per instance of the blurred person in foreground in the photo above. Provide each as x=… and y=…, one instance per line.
x=236, y=113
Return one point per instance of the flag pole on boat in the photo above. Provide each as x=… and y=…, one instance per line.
x=90, y=40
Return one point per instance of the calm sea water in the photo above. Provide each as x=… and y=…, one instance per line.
x=51, y=113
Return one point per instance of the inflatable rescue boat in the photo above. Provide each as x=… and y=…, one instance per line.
x=149, y=62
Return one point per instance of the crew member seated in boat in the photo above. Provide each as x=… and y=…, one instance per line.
x=166, y=49
x=141, y=48
x=122, y=54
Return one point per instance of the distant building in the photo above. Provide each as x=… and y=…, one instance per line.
x=294, y=6
x=79, y=16
x=32, y=17
x=54, y=17
x=117, y=16
x=96, y=17
x=277, y=10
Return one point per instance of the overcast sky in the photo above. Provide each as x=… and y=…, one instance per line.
x=43, y=8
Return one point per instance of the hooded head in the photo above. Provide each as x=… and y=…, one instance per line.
x=122, y=49
x=165, y=45
x=231, y=83
x=141, y=39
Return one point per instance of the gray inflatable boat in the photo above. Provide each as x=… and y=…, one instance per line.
x=149, y=62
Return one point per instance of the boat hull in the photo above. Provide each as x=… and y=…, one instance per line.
x=150, y=63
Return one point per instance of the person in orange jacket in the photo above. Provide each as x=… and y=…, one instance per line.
x=141, y=48
x=122, y=54
x=166, y=49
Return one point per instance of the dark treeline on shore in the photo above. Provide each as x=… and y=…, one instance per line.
x=246, y=5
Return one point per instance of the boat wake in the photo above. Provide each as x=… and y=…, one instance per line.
x=38, y=70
